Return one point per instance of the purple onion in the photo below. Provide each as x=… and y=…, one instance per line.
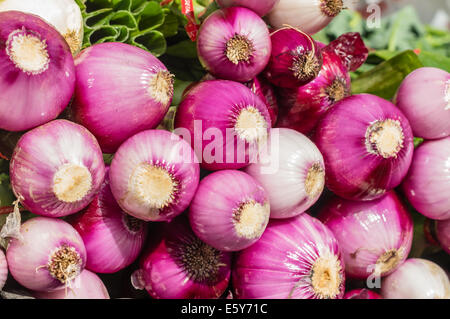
x=258, y=6
x=3, y=269
x=443, y=234
x=361, y=294
x=266, y=93
x=367, y=145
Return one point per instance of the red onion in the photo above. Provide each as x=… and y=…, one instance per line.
x=361, y=294
x=443, y=234
x=113, y=239
x=416, y=278
x=86, y=286
x=154, y=175
x=230, y=210
x=367, y=145
x=57, y=168
x=229, y=114
x=296, y=258
x=375, y=236
x=37, y=75
x=115, y=82
x=427, y=185
x=3, y=269
x=295, y=60
x=292, y=173
x=49, y=256
x=178, y=265
x=258, y=6
x=266, y=93
x=424, y=97
x=234, y=44
x=302, y=108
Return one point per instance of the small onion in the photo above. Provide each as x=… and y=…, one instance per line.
x=234, y=44
x=443, y=234
x=57, y=168
x=223, y=111
x=261, y=7
x=416, y=278
x=302, y=108
x=375, y=237
x=86, y=286
x=292, y=173
x=296, y=258
x=115, y=82
x=178, y=265
x=50, y=255
x=154, y=175
x=295, y=59
x=3, y=269
x=229, y=211
x=427, y=185
x=64, y=15
x=424, y=97
x=361, y=294
x=367, y=145
x=113, y=239
x=37, y=77
x=266, y=93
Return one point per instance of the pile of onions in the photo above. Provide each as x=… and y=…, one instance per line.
x=310, y=16
x=38, y=73
x=116, y=81
x=301, y=108
x=296, y=258
x=443, y=234
x=361, y=294
x=178, y=265
x=154, y=175
x=86, y=286
x=291, y=171
x=57, y=169
x=427, y=185
x=230, y=210
x=367, y=145
x=3, y=269
x=64, y=15
x=234, y=44
x=266, y=93
x=424, y=97
x=416, y=278
x=225, y=122
x=296, y=58
x=375, y=237
x=49, y=256
x=258, y=6
x=113, y=239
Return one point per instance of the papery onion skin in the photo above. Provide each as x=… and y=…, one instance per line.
x=29, y=258
x=37, y=81
x=292, y=173
x=443, y=234
x=266, y=93
x=258, y=6
x=3, y=269
x=375, y=236
x=170, y=156
x=251, y=44
x=416, y=278
x=424, y=98
x=38, y=164
x=223, y=200
x=211, y=109
x=427, y=185
x=111, y=244
x=361, y=294
x=115, y=82
x=302, y=108
x=165, y=276
x=86, y=286
x=279, y=265
x=371, y=156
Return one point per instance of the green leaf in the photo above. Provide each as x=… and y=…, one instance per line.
x=170, y=26
x=152, y=41
x=99, y=17
x=184, y=49
x=431, y=59
x=123, y=18
x=103, y=34
x=178, y=88
x=151, y=17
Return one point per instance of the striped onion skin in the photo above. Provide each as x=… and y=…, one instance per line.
x=3, y=269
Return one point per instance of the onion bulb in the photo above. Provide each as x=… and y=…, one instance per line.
x=3, y=269
x=261, y=7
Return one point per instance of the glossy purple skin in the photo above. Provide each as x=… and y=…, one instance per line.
x=287, y=44
x=266, y=93
x=221, y=26
x=361, y=294
x=443, y=234
x=276, y=265
x=353, y=172
x=218, y=196
x=41, y=236
x=302, y=108
x=427, y=185
x=258, y=6
x=366, y=230
x=110, y=244
x=31, y=100
x=214, y=105
x=165, y=277
x=40, y=153
x=111, y=95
